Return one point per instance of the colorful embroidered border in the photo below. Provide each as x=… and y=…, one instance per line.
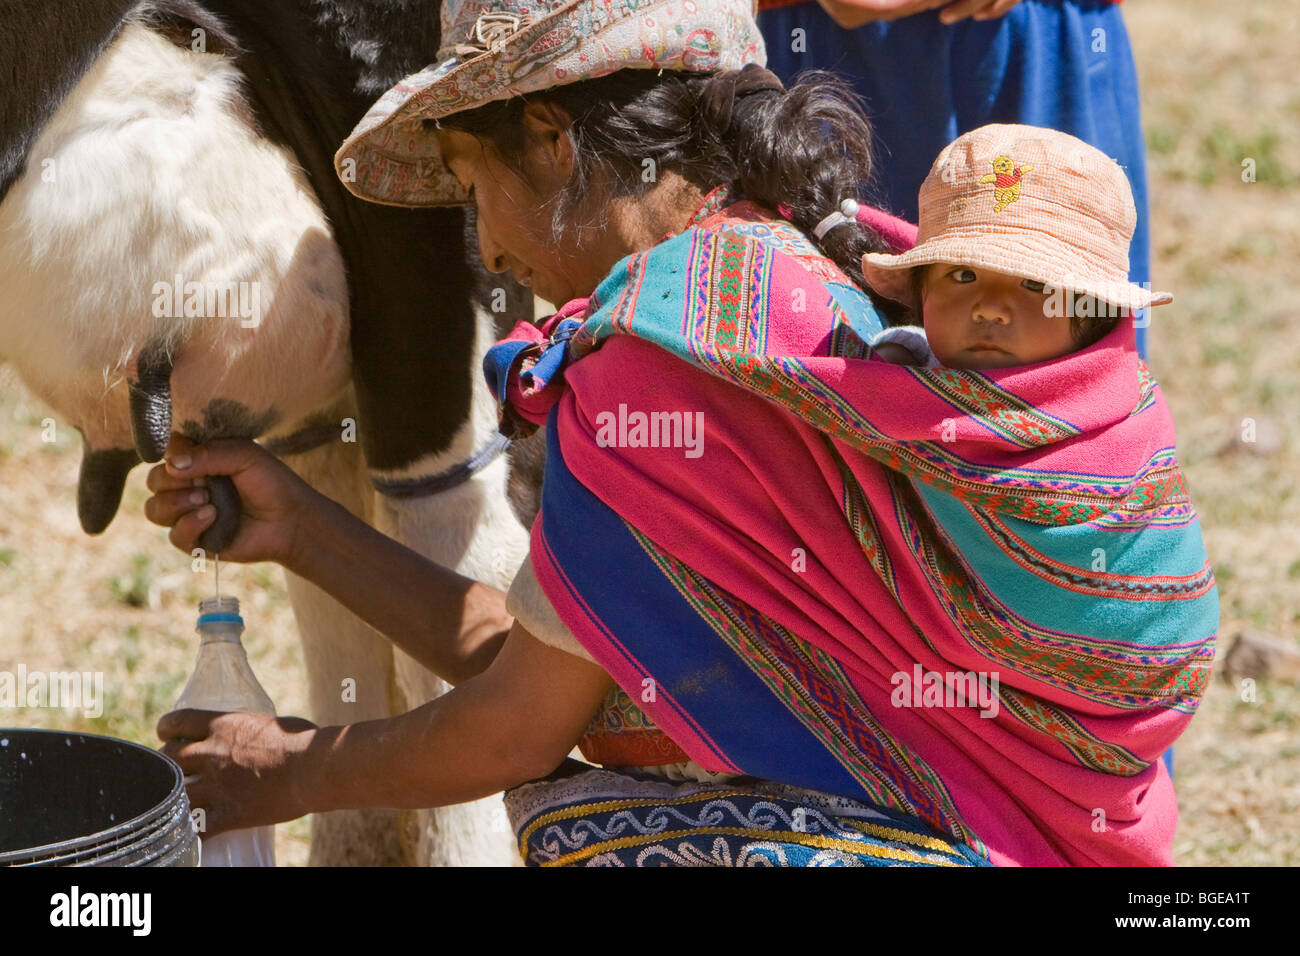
x=1091, y=751
x=1044, y=718
x=1095, y=670
x=997, y=409
x=725, y=320
x=782, y=236
x=1102, y=584
x=813, y=660
x=1038, y=497
x=861, y=520
x=1146, y=388
x=558, y=825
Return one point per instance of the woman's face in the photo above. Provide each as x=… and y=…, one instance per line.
x=514, y=222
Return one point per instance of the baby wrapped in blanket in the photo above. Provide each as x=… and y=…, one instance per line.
x=1022, y=254
x=995, y=290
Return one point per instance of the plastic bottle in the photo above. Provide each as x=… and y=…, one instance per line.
x=222, y=680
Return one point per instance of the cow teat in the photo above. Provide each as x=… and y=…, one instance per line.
x=151, y=402
x=100, y=483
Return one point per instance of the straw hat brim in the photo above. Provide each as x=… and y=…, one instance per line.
x=392, y=157
x=392, y=130
x=1037, y=256
x=423, y=178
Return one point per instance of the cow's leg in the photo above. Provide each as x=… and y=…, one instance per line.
x=337, y=646
x=349, y=664
x=472, y=529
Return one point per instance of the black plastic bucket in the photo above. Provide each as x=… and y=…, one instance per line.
x=85, y=800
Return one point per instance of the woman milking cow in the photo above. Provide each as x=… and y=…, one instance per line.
x=823, y=601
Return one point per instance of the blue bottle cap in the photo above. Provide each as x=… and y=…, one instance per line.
x=220, y=610
x=219, y=618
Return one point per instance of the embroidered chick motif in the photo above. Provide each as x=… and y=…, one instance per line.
x=1006, y=178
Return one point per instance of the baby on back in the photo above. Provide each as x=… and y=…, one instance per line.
x=1021, y=256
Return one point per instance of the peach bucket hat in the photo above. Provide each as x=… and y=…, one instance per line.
x=1024, y=201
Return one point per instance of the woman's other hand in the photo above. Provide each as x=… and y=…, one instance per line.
x=247, y=774
x=513, y=723
x=271, y=496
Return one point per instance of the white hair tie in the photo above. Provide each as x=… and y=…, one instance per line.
x=848, y=212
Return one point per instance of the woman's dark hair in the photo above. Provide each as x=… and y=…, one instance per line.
x=1091, y=319
x=799, y=152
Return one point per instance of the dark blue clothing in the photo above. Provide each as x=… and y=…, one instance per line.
x=1065, y=65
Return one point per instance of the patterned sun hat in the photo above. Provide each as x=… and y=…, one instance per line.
x=497, y=49
x=1024, y=201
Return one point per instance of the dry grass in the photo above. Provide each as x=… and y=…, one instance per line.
x=1217, y=88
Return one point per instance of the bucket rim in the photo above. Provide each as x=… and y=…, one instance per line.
x=175, y=829
x=76, y=847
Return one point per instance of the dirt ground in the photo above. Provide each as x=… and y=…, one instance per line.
x=1218, y=90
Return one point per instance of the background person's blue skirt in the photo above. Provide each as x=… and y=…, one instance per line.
x=1063, y=65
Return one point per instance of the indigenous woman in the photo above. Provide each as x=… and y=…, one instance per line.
x=754, y=594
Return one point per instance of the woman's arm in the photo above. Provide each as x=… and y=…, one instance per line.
x=513, y=723
x=450, y=624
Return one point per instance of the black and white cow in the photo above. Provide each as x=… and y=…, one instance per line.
x=152, y=150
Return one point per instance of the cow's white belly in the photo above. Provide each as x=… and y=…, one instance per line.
x=149, y=195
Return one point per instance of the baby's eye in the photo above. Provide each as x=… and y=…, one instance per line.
x=1033, y=286
x=962, y=275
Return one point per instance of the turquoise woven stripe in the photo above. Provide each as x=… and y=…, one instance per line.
x=1148, y=623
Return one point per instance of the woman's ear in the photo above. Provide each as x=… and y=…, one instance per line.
x=547, y=126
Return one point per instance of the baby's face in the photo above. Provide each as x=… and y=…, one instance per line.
x=976, y=318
